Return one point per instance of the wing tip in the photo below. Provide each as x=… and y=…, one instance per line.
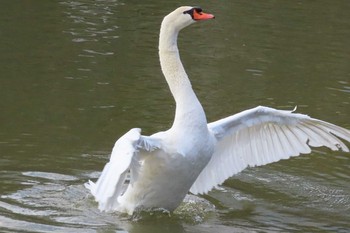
x=90, y=186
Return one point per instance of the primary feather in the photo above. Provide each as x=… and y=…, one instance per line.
x=260, y=136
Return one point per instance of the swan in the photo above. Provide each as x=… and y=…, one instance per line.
x=194, y=156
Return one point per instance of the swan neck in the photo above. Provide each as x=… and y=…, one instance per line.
x=168, y=39
x=187, y=104
x=171, y=64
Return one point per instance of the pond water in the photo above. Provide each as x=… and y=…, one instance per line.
x=76, y=75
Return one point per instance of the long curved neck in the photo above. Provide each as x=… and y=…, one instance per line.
x=188, y=108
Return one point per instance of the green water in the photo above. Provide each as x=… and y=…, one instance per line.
x=76, y=75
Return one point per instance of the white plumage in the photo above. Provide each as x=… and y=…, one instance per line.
x=193, y=155
x=260, y=136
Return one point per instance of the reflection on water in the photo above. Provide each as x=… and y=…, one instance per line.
x=50, y=200
x=91, y=21
x=92, y=24
x=76, y=75
x=60, y=203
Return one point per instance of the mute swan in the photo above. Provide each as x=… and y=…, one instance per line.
x=194, y=156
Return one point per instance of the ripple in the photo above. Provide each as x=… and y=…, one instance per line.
x=104, y=106
x=346, y=89
x=255, y=72
x=314, y=192
x=99, y=53
x=25, y=226
x=90, y=20
x=90, y=24
x=344, y=86
x=80, y=40
x=52, y=200
x=49, y=176
x=60, y=203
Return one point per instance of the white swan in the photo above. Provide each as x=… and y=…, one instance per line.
x=193, y=155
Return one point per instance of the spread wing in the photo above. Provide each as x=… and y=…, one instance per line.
x=124, y=158
x=264, y=135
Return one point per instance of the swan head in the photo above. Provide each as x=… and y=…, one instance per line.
x=185, y=16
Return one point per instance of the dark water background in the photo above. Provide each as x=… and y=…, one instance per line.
x=76, y=75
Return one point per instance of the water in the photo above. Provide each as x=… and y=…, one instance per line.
x=76, y=75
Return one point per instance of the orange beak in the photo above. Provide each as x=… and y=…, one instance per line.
x=202, y=15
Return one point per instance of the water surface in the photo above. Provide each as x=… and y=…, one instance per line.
x=76, y=75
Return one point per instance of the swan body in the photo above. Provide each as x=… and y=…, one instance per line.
x=196, y=156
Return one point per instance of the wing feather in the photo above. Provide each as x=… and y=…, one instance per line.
x=124, y=158
x=264, y=135
x=282, y=153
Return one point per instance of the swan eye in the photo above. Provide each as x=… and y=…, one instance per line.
x=196, y=9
